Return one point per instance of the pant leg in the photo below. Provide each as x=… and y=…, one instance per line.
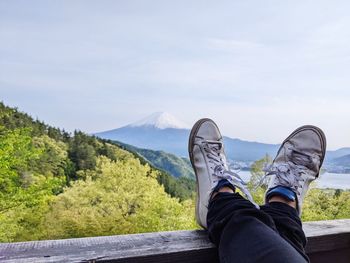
x=243, y=233
x=288, y=224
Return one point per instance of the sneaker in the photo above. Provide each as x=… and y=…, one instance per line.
x=297, y=164
x=207, y=155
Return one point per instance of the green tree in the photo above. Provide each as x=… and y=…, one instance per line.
x=53, y=158
x=16, y=150
x=116, y=198
x=257, y=170
x=326, y=204
x=23, y=192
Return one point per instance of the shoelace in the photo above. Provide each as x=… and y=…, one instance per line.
x=220, y=171
x=290, y=174
x=287, y=174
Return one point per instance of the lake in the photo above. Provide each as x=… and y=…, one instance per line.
x=326, y=180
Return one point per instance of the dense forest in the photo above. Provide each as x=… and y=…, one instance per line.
x=57, y=185
x=54, y=184
x=176, y=166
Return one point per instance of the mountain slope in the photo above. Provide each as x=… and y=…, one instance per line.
x=343, y=160
x=239, y=150
x=163, y=132
x=149, y=137
x=331, y=155
x=170, y=163
x=173, y=138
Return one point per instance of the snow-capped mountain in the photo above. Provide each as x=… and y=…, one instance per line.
x=162, y=131
x=158, y=131
x=160, y=120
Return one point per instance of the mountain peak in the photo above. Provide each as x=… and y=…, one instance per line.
x=160, y=120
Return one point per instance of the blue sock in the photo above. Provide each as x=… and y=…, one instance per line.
x=222, y=183
x=283, y=191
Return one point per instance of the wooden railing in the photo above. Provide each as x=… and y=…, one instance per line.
x=328, y=241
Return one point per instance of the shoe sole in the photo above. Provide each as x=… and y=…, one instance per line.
x=191, y=140
x=320, y=134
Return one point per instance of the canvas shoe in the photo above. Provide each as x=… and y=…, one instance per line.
x=297, y=164
x=207, y=155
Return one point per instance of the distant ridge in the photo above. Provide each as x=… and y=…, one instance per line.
x=161, y=131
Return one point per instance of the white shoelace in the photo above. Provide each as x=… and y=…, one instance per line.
x=214, y=154
x=289, y=174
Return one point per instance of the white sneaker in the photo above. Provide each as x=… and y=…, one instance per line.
x=297, y=164
x=207, y=155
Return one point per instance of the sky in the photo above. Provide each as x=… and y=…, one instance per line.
x=258, y=68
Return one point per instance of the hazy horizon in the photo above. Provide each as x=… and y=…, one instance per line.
x=259, y=69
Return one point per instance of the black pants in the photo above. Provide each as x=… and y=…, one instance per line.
x=244, y=233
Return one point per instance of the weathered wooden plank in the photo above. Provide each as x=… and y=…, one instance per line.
x=108, y=248
x=177, y=246
x=327, y=235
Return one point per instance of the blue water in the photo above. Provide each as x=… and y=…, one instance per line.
x=326, y=180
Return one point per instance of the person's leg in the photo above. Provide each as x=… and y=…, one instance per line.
x=297, y=163
x=244, y=233
x=208, y=159
x=287, y=223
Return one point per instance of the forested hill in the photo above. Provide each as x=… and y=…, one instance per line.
x=170, y=163
x=57, y=185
